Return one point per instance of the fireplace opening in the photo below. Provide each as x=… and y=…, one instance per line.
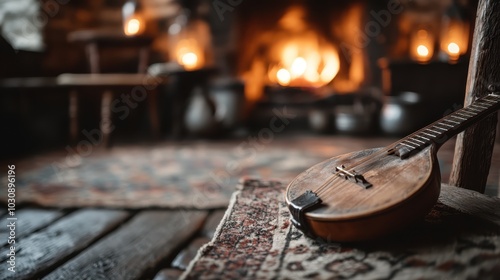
x=352, y=55
x=299, y=46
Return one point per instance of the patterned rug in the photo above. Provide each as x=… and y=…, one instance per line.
x=255, y=240
x=191, y=174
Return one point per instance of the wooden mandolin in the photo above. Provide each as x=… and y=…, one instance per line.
x=371, y=193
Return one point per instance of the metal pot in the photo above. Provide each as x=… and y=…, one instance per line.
x=402, y=114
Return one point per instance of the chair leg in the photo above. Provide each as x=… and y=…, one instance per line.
x=106, y=125
x=474, y=147
x=73, y=116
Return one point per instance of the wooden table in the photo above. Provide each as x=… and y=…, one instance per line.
x=105, y=84
x=94, y=39
x=108, y=84
x=134, y=86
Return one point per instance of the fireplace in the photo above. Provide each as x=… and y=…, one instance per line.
x=301, y=45
x=318, y=55
x=318, y=58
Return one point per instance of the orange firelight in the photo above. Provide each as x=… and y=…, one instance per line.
x=422, y=46
x=304, y=63
x=189, y=54
x=133, y=26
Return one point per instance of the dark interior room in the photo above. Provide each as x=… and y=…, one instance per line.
x=236, y=139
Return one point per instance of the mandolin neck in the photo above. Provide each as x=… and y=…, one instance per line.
x=441, y=130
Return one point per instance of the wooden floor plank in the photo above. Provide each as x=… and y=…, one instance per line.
x=133, y=251
x=168, y=274
x=212, y=223
x=183, y=259
x=44, y=249
x=30, y=220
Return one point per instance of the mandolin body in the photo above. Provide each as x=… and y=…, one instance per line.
x=402, y=192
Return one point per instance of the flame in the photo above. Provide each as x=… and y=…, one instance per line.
x=455, y=39
x=422, y=46
x=295, y=53
x=306, y=64
x=189, y=60
x=422, y=51
x=453, y=48
x=189, y=54
x=283, y=77
x=133, y=26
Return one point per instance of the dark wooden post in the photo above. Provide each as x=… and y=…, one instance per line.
x=474, y=146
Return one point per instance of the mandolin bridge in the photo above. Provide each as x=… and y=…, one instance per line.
x=353, y=176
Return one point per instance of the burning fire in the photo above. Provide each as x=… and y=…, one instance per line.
x=305, y=63
x=296, y=54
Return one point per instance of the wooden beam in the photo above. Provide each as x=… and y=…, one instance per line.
x=479, y=206
x=474, y=147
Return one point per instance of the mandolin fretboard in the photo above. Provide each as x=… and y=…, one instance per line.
x=440, y=131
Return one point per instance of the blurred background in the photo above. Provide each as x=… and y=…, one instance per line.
x=341, y=67
x=168, y=104
x=78, y=76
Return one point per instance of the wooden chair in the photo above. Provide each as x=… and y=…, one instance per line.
x=474, y=147
x=104, y=38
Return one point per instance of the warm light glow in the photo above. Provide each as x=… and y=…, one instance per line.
x=422, y=46
x=132, y=27
x=454, y=38
x=295, y=53
x=299, y=67
x=189, y=54
x=422, y=51
x=453, y=48
x=283, y=77
x=304, y=63
x=189, y=60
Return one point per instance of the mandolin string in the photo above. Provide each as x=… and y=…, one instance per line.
x=323, y=188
